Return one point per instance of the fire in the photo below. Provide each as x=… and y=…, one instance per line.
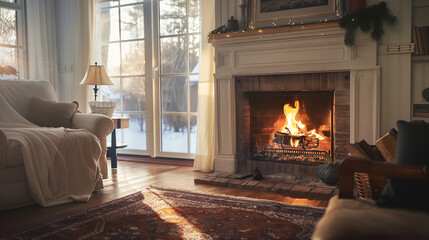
x=295, y=127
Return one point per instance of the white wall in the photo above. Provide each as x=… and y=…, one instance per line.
x=395, y=68
x=224, y=10
x=66, y=49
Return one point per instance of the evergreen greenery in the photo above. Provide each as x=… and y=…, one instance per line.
x=367, y=18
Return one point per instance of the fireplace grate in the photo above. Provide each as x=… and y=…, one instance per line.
x=295, y=155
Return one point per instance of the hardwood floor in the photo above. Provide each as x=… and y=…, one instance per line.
x=130, y=177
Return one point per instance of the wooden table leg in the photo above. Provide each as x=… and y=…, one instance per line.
x=113, y=155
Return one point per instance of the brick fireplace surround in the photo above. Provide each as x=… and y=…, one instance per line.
x=337, y=82
x=310, y=60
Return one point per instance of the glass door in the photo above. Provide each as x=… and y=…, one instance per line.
x=124, y=45
x=179, y=46
x=150, y=50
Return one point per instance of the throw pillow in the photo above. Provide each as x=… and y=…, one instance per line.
x=52, y=114
x=412, y=148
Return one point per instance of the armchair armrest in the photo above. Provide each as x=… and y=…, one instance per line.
x=354, y=164
x=3, y=149
x=101, y=126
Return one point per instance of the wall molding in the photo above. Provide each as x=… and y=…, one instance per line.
x=399, y=48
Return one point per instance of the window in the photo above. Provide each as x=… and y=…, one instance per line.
x=132, y=44
x=123, y=55
x=12, y=52
x=179, y=44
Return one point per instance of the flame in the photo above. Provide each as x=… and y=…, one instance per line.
x=292, y=125
x=294, y=143
x=296, y=127
x=316, y=135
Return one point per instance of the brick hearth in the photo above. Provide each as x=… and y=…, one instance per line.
x=276, y=183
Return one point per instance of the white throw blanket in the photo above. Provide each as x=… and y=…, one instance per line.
x=61, y=164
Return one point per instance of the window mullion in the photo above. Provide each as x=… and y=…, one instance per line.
x=188, y=92
x=156, y=80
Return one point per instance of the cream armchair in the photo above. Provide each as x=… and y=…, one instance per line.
x=14, y=190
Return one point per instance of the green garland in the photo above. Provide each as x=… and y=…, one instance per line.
x=366, y=18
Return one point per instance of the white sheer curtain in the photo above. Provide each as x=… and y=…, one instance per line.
x=206, y=112
x=41, y=41
x=85, y=48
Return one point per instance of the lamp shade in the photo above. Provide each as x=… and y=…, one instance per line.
x=96, y=75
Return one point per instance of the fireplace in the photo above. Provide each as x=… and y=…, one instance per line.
x=291, y=126
x=308, y=65
x=266, y=141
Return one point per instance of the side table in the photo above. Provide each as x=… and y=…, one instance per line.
x=118, y=123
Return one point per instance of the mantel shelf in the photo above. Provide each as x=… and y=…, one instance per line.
x=266, y=31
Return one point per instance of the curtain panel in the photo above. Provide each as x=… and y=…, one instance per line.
x=206, y=110
x=41, y=41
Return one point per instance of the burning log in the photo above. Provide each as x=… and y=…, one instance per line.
x=294, y=132
x=285, y=139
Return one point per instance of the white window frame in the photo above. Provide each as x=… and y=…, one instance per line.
x=19, y=7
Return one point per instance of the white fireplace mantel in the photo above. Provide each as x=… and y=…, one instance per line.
x=308, y=51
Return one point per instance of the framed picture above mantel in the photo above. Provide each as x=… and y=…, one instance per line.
x=277, y=13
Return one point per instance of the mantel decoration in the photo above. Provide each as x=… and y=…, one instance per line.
x=231, y=25
x=96, y=75
x=252, y=31
x=367, y=18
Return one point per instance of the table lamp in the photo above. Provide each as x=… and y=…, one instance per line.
x=96, y=75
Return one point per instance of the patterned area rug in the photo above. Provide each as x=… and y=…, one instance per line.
x=173, y=214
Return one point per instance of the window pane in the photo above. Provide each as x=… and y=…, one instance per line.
x=110, y=58
x=123, y=2
x=112, y=93
x=174, y=133
x=8, y=26
x=133, y=58
x=193, y=134
x=134, y=94
x=173, y=55
x=109, y=24
x=8, y=63
x=194, y=16
x=194, y=53
x=132, y=22
x=174, y=94
x=135, y=135
x=8, y=56
x=108, y=4
x=172, y=17
x=193, y=88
